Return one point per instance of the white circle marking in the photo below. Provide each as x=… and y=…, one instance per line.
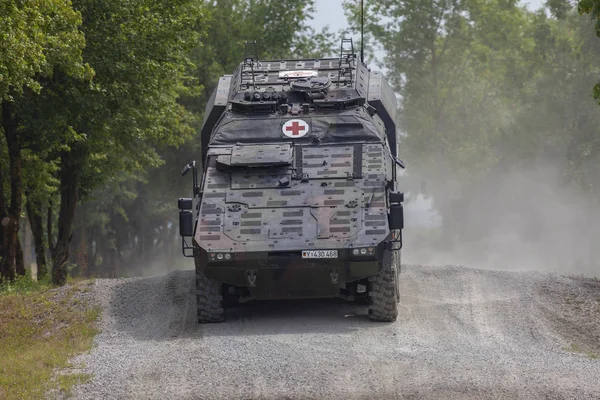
x=295, y=128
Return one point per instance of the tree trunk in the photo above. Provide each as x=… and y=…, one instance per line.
x=82, y=252
x=3, y=225
x=78, y=246
x=19, y=258
x=27, y=244
x=100, y=251
x=69, y=185
x=92, y=251
x=34, y=214
x=11, y=225
x=74, y=245
x=49, y=226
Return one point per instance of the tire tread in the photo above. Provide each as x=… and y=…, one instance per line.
x=383, y=300
x=209, y=299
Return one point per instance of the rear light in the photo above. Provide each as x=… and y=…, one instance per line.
x=220, y=256
x=363, y=252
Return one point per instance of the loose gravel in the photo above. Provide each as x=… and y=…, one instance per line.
x=461, y=334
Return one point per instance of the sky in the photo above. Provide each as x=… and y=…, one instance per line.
x=330, y=12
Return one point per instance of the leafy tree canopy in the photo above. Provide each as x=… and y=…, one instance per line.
x=36, y=37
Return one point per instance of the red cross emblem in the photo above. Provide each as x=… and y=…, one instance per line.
x=295, y=128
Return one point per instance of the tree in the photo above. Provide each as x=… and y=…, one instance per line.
x=450, y=61
x=131, y=222
x=488, y=88
x=139, y=52
x=39, y=175
x=37, y=38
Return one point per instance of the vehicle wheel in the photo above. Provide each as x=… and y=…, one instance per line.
x=209, y=299
x=383, y=291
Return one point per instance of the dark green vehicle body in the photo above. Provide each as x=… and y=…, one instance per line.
x=299, y=163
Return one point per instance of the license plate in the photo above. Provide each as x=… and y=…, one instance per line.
x=319, y=254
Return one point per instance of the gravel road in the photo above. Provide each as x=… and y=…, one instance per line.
x=461, y=334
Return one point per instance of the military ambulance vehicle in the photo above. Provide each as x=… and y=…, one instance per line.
x=298, y=195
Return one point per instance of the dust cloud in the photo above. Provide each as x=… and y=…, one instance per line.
x=527, y=218
x=523, y=219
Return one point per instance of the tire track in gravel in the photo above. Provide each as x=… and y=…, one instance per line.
x=461, y=334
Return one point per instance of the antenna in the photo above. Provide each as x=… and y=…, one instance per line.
x=362, y=31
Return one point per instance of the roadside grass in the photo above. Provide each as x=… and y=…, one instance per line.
x=41, y=328
x=68, y=381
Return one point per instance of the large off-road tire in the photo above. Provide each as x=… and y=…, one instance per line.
x=383, y=291
x=209, y=299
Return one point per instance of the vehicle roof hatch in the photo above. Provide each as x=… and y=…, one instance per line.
x=257, y=156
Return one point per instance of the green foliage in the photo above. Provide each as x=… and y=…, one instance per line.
x=475, y=75
x=139, y=53
x=38, y=41
x=559, y=8
x=592, y=7
x=24, y=285
x=37, y=37
x=109, y=97
x=487, y=86
x=78, y=128
x=449, y=61
x=132, y=218
x=279, y=28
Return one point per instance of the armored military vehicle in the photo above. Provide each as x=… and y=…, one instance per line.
x=298, y=196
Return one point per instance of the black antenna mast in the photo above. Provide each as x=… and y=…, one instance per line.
x=362, y=31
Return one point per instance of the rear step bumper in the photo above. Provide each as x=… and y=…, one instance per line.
x=272, y=272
